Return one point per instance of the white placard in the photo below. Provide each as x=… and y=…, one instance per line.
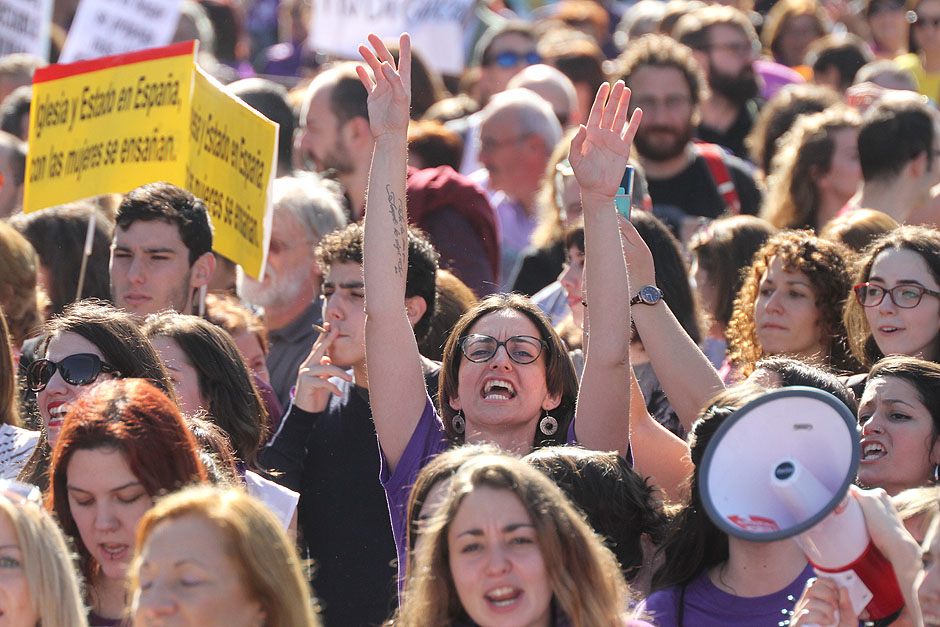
x=437, y=27
x=106, y=27
x=24, y=27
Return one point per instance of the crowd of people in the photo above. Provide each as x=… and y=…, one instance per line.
x=404, y=420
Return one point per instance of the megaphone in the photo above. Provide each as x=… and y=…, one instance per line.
x=780, y=467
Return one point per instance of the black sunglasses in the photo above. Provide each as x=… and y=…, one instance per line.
x=78, y=369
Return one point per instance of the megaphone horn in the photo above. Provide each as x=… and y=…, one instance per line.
x=780, y=467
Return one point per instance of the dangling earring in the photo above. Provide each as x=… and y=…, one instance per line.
x=458, y=422
x=548, y=425
x=936, y=473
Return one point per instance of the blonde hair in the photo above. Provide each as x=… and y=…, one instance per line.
x=270, y=567
x=49, y=565
x=587, y=585
x=806, y=153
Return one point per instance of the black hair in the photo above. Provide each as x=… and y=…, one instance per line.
x=894, y=131
x=270, y=100
x=345, y=245
x=173, y=205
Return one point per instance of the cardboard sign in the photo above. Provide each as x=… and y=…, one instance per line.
x=24, y=27
x=437, y=27
x=109, y=27
x=113, y=124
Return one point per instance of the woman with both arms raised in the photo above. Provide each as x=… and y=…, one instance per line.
x=523, y=395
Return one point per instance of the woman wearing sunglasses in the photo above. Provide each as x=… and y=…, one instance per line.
x=896, y=308
x=124, y=443
x=90, y=341
x=506, y=377
x=38, y=583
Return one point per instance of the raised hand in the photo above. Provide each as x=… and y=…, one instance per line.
x=390, y=90
x=313, y=389
x=601, y=148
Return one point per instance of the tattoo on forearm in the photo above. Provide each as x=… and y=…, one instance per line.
x=397, y=211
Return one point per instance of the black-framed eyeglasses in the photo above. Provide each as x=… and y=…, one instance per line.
x=522, y=349
x=78, y=369
x=903, y=296
x=510, y=58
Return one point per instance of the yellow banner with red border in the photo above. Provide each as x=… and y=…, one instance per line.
x=112, y=124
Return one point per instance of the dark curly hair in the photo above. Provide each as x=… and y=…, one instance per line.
x=922, y=240
x=345, y=246
x=826, y=265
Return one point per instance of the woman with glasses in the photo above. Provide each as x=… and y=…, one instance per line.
x=124, y=443
x=896, y=308
x=506, y=377
x=38, y=583
x=924, y=59
x=90, y=341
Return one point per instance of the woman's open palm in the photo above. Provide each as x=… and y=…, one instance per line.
x=601, y=148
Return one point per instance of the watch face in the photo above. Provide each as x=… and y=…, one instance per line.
x=650, y=294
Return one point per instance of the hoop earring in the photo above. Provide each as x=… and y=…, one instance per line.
x=548, y=425
x=458, y=422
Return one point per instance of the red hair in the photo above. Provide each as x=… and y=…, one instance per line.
x=134, y=417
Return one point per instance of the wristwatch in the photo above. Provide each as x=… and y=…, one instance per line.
x=648, y=295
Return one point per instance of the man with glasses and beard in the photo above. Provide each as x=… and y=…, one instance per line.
x=724, y=43
x=305, y=209
x=688, y=182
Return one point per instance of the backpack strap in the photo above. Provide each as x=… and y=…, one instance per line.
x=719, y=171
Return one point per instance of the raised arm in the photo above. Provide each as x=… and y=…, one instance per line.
x=599, y=154
x=684, y=372
x=396, y=384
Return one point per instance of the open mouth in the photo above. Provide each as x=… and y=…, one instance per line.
x=114, y=551
x=872, y=451
x=498, y=389
x=503, y=597
x=57, y=414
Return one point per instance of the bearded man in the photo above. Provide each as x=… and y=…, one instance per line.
x=725, y=44
x=305, y=209
x=687, y=182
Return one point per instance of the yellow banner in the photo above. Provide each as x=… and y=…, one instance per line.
x=231, y=164
x=113, y=124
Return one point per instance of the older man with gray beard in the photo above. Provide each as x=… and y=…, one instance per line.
x=305, y=209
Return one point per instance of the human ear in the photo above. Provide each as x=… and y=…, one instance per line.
x=201, y=272
x=415, y=306
x=551, y=401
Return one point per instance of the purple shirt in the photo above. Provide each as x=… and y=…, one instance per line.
x=428, y=440
x=706, y=605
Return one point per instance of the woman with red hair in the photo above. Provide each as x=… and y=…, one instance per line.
x=124, y=443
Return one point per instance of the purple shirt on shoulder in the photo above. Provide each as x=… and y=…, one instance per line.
x=706, y=605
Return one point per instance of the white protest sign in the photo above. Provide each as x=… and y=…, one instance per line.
x=436, y=26
x=106, y=27
x=24, y=27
